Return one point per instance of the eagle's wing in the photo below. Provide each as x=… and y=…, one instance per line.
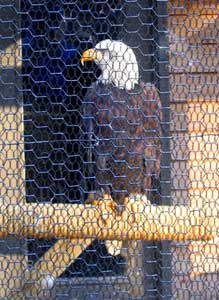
x=125, y=133
x=88, y=138
x=124, y=130
x=152, y=109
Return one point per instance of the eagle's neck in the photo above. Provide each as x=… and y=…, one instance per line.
x=123, y=76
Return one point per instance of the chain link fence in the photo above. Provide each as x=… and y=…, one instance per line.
x=109, y=151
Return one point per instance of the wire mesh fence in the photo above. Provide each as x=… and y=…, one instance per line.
x=109, y=149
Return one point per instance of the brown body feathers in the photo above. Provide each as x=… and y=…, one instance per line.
x=124, y=128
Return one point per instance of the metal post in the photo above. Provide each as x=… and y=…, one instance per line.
x=163, y=252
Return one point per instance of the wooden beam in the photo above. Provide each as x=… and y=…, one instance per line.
x=41, y=278
x=137, y=221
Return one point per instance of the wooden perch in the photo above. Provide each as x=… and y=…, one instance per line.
x=86, y=221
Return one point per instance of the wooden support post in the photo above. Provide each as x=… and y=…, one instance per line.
x=40, y=280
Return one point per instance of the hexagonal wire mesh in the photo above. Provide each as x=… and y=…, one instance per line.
x=137, y=117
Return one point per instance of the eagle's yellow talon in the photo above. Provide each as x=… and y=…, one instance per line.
x=105, y=204
x=134, y=207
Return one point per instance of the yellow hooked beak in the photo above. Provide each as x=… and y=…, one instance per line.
x=89, y=55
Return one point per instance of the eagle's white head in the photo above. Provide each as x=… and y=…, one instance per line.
x=117, y=62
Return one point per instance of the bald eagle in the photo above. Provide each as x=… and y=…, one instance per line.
x=123, y=123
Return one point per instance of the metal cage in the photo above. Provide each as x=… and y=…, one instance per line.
x=77, y=143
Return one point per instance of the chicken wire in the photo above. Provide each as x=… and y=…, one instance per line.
x=57, y=146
